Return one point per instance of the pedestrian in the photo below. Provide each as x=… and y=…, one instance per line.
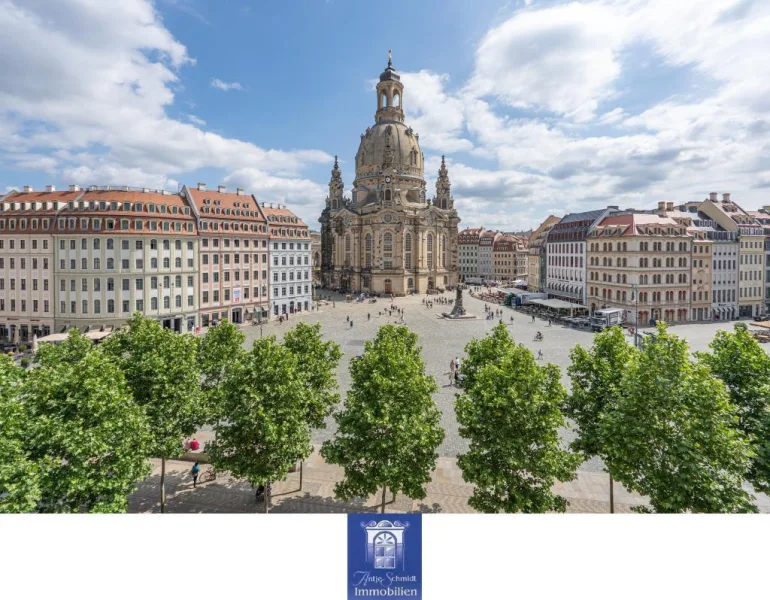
x=539, y=355
x=533, y=317
x=347, y=318
x=195, y=471
x=351, y=323
x=549, y=321
x=368, y=317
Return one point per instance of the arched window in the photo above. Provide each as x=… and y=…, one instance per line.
x=387, y=248
x=430, y=250
x=410, y=284
x=408, y=251
x=388, y=198
x=368, y=250
x=383, y=100
x=347, y=250
x=396, y=99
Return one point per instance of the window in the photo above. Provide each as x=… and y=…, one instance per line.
x=110, y=264
x=110, y=246
x=154, y=303
x=97, y=306
x=110, y=287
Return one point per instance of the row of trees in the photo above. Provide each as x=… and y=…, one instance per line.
x=684, y=430
x=76, y=432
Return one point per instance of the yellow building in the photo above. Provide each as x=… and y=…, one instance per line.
x=646, y=250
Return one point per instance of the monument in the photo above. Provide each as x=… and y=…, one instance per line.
x=458, y=311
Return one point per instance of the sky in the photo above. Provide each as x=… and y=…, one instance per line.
x=541, y=107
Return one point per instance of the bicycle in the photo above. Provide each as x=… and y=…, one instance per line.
x=207, y=475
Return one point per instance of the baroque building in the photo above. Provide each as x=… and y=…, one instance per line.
x=389, y=238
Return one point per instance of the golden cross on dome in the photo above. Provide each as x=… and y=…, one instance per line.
x=390, y=57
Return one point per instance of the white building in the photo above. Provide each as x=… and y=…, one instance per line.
x=291, y=282
x=468, y=252
x=120, y=250
x=486, y=266
x=566, y=270
x=27, y=221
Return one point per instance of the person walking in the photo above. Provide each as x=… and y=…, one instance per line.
x=368, y=317
x=351, y=323
x=539, y=355
x=195, y=472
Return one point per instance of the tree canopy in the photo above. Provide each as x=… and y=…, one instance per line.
x=509, y=412
x=389, y=428
x=744, y=366
x=673, y=433
x=265, y=432
x=317, y=362
x=219, y=353
x=19, y=474
x=85, y=432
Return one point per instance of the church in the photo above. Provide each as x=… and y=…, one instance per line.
x=389, y=238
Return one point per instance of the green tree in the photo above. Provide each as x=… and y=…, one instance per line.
x=389, y=429
x=597, y=384
x=19, y=475
x=510, y=415
x=744, y=366
x=266, y=428
x=161, y=369
x=85, y=431
x=673, y=434
x=219, y=352
x=317, y=362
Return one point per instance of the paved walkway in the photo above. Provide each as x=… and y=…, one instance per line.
x=447, y=493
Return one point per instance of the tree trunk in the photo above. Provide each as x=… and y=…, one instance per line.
x=383, y=499
x=267, y=497
x=394, y=495
x=612, y=496
x=162, y=485
x=300, y=474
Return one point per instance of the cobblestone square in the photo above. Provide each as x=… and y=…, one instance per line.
x=443, y=340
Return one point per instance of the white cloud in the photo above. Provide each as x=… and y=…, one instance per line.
x=226, y=87
x=90, y=103
x=196, y=121
x=562, y=59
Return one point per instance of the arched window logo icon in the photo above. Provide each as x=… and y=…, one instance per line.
x=385, y=543
x=385, y=555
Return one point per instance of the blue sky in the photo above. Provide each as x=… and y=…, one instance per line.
x=540, y=107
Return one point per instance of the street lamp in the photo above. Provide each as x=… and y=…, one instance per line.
x=635, y=297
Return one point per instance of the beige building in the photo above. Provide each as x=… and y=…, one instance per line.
x=27, y=223
x=504, y=258
x=389, y=238
x=648, y=250
x=233, y=258
x=315, y=251
x=751, y=251
x=468, y=252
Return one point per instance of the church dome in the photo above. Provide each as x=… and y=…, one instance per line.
x=389, y=145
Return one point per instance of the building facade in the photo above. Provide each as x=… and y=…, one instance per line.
x=315, y=251
x=486, y=264
x=120, y=250
x=389, y=238
x=643, y=250
x=751, y=251
x=468, y=252
x=233, y=261
x=566, y=253
x=27, y=223
x=290, y=261
x=536, y=255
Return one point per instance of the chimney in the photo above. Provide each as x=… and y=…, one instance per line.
x=201, y=187
x=221, y=189
x=27, y=189
x=669, y=206
x=713, y=197
x=661, y=206
x=725, y=197
x=74, y=188
x=50, y=188
x=239, y=191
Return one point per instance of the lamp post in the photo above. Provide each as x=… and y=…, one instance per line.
x=635, y=297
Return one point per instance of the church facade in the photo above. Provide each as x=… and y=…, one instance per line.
x=388, y=237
